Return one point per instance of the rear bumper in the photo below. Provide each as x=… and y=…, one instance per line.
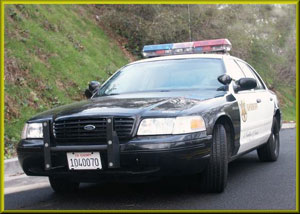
x=141, y=158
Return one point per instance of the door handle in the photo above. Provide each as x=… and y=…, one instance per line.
x=271, y=99
x=258, y=100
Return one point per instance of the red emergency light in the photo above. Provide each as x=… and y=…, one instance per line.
x=207, y=46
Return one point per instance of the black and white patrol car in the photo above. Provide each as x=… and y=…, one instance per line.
x=186, y=113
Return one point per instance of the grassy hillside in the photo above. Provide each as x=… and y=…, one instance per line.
x=51, y=53
x=265, y=61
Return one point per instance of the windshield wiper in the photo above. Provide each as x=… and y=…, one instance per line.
x=111, y=94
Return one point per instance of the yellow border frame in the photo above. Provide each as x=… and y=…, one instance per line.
x=4, y=2
x=149, y=2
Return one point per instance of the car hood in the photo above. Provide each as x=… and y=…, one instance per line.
x=132, y=104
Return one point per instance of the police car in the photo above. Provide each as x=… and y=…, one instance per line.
x=189, y=108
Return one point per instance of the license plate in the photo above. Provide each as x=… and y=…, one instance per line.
x=84, y=160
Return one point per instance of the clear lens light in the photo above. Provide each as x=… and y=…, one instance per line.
x=179, y=125
x=32, y=130
x=156, y=126
x=188, y=124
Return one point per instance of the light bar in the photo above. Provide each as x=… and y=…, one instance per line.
x=207, y=46
x=157, y=50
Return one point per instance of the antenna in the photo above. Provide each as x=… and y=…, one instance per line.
x=190, y=33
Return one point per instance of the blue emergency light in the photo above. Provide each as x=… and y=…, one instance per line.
x=207, y=46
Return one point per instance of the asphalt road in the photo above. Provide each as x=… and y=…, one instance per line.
x=251, y=185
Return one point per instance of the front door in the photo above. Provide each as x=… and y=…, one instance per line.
x=250, y=108
x=259, y=108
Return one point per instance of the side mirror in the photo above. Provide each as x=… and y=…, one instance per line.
x=225, y=79
x=245, y=84
x=93, y=86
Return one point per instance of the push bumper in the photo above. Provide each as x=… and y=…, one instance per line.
x=140, y=158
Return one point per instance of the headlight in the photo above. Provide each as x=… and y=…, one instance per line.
x=32, y=130
x=188, y=124
x=178, y=125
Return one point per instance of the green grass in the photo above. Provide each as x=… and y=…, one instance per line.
x=288, y=102
x=266, y=63
x=61, y=48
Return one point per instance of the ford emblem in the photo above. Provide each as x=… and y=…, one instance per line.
x=89, y=127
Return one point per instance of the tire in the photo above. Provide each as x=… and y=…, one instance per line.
x=63, y=185
x=270, y=151
x=214, y=177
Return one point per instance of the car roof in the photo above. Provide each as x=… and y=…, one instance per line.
x=184, y=56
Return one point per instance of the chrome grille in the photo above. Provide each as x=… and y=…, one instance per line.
x=71, y=131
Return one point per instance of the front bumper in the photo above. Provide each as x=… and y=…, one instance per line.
x=140, y=158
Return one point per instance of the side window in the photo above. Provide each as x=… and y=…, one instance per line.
x=258, y=78
x=250, y=74
x=233, y=70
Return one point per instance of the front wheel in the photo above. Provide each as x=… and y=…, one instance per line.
x=63, y=185
x=270, y=151
x=214, y=178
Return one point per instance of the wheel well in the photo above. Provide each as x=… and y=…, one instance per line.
x=278, y=118
x=227, y=123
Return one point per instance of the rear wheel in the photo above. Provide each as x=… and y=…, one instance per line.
x=270, y=150
x=214, y=178
x=63, y=185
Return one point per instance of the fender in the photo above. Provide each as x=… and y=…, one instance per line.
x=277, y=112
x=230, y=113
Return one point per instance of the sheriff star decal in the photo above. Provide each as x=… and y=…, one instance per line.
x=243, y=110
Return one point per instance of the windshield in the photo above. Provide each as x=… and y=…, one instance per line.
x=165, y=75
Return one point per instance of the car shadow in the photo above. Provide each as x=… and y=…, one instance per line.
x=124, y=195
